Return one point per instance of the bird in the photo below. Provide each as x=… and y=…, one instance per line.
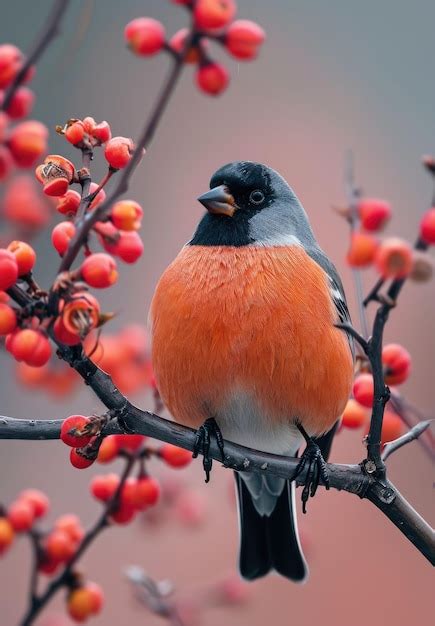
x=247, y=347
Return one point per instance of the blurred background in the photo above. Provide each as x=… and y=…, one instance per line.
x=331, y=76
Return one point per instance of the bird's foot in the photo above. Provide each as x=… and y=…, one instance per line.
x=317, y=471
x=202, y=444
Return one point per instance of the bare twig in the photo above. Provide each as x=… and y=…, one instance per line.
x=409, y=436
x=49, y=32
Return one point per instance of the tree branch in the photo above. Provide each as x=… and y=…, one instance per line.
x=411, y=435
x=49, y=32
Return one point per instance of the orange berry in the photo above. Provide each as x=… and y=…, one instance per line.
x=78, y=461
x=8, y=319
x=63, y=335
x=61, y=236
x=69, y=426
x=374, y=213
x=99, y=270
x=354, y=415
x=81, y=314
x=397, y=363
x=243, y=38
x=75, y=132
x=21, y=103
x=30, y=346
x=211, y=14
x=38, y=500
x=427, y=227
x=59, y=546
x=363, y=390
x=394, y=258
x=69, y=203
x=108, y=450
x=102, y=132
x=23, y=204
x=96, y=596
x=212, y=78
x=27, y=142
x=145, y=36
x=79, y=604
x=8, y=269
x=118, y=152
x=103, y=488
x=6, y=534
x=175, y=456
x=127, y=215
x=71, y=524
x=24, y=255
x=362, y=250
x=131, y=443
x=147, y=492
x=21, y=515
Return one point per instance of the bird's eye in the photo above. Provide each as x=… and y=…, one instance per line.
x=256, y=197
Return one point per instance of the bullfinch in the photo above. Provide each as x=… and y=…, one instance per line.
x=245, y=347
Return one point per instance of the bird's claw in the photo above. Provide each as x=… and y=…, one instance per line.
x=202, y=444
x=317, y=472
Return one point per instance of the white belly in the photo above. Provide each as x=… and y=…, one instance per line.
x=242, y=421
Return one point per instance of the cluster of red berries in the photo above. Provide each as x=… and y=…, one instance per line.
x=212, y=20
x=397, y=367
x=394, y=258
x=20, y=145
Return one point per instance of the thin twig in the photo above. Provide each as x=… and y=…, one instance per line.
x=49, y=32
x=39, y=602
x=409, y=436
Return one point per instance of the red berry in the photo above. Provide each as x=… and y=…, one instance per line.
x=374, y=213
x=128, y=248
x=27, y=142
x=38, y=500
x=147, y=492
x=363, y=389
x=8, y=319
x=61, y=236
x=7, y=534
x=42, y=353
x=48, y=567
x=104, y=487
x=102, y=132
x=71, y=424
x=59, y=546
x=23, y=205
x=145, y=36
x=8, y=269
x=63, y=335
x=129, y=442
x=124, y=514
x=21, y=515
x=6, y=162
x=75, y=132
x=11, y=60
x=175, y=456
x=210, y=14
x=78, y=460
x=24, y=255
x=71, y=524
x=397, y=362
x=427, y=227
x=362, y=250
x=129, y=493
x=99, y=270
x=178, y=42
x=30, y=346
x=81, y=314
x=354, y=415
x=83, y=602
x=212, y=78
x=21, y=103
x=243, y=39
x=108, y=450
x=118, y=152
x=394, y=258
x=127, y=215
x=96, y=597
x=89, y=124
x=69, y=203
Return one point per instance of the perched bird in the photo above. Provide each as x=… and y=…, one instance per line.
x=245, y=346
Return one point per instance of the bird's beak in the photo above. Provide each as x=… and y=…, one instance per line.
x=219, y=200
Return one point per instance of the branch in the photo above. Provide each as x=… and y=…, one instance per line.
x=37, y=603
x=411, y=435
x=49, y=32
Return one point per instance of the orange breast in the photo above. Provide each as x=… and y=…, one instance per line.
x=255, y=319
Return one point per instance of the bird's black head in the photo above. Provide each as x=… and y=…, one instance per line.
x=250, y=204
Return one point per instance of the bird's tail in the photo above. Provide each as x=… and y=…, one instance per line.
x=270, y=541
